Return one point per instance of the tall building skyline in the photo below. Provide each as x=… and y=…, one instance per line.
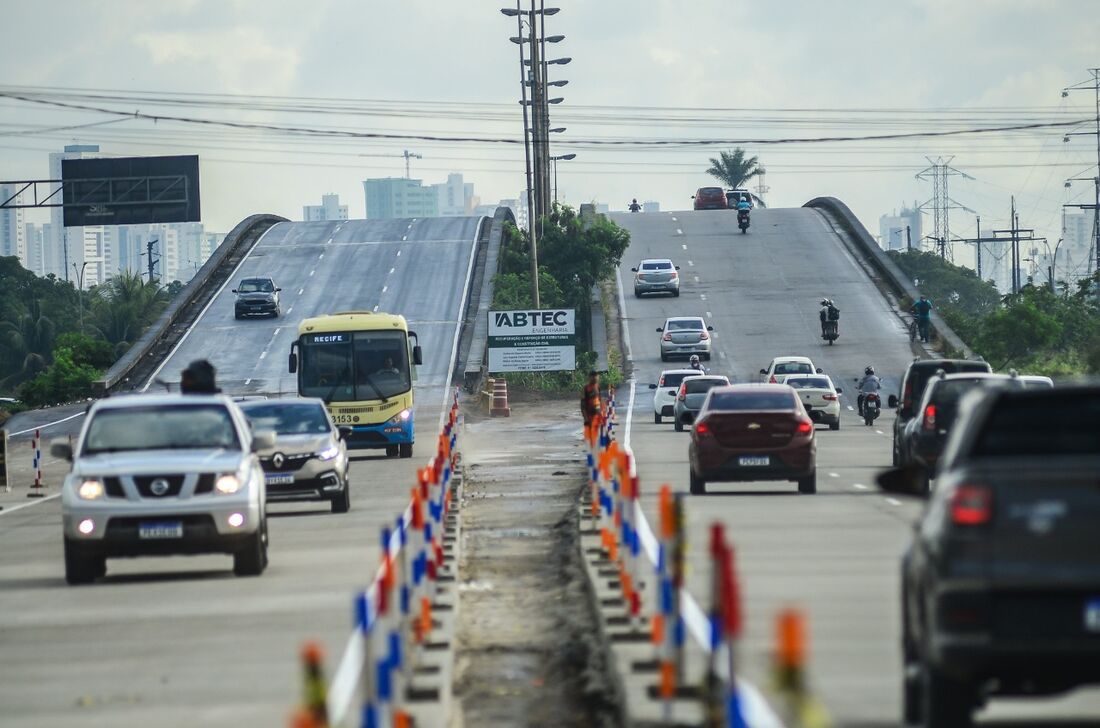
x=393, y=197
x=900, y=229
x=12, y=227
x=329, y=209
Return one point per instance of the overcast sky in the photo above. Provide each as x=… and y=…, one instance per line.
x=1003, y=60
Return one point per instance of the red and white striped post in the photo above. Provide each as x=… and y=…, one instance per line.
x=36, y=445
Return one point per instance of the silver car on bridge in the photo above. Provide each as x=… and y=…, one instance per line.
x=161, y=475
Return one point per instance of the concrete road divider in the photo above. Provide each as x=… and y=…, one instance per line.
x=397, y=625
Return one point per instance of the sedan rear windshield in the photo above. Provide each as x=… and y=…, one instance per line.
x=657, y=265
x=711, y=191
x=793, y=367
x=750, y=401
x=1048, y=424
x=179, y=427
x=674, y=379
x=809, y=383
x=288, y=419
x=698, y=385
x=685, y=325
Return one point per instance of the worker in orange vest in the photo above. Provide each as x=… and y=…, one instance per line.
x=590, y=400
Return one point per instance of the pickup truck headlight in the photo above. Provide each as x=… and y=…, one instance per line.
x=400, y=417
x=91, y=489
x=328, y=453
x=227, y=484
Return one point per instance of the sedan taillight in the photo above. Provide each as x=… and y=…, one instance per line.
x=829, y=397
x=702, y=428
x=971, y=505
x=804, y=427
x=930, y=417
x=703, y=336
x=666, y=337
x=682, y=395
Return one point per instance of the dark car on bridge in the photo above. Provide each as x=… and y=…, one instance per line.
x=1001, y=583
x=710, y=198
x=925, y=435
x=913, y=382
x=753, y=432
x=256, y=297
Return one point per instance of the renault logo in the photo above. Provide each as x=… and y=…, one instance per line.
x=159, y=487
x=278, y=459
x=754, y=426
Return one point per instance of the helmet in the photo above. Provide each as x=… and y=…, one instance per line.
x=694, y=359
x=825, y=302
x=869, y=371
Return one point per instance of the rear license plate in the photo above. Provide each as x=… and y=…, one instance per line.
x=160, y=529
x=279, y=478
x=749, y=461
x=1092, y=615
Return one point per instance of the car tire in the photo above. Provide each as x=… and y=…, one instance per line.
x=676, y=293
x=678, y=426
x=664, y=357
x=697, y=484
x=945, y=702
x=656, y=418
x=705, y=357
x=405, y=450
x=896, y=458
x=252, y=558
x=392, y=451
x=80, y=567
x=342, y=502
x=808, y=485
x=237, y=316
x=835, y=425
x=637, y=294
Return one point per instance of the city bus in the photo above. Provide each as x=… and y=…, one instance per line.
x=363, y=365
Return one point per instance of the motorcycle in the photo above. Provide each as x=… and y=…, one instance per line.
x=743, y=220
x=831, y=332
x=872, y=408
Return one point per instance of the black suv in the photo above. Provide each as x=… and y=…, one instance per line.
x=912, y=388
x=256, y=297
x=1000, y=588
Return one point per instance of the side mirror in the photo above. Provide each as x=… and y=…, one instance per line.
x=764, y=372
x=820, y=370
x=892, y=401
x=710, y=328
x=660, y=329
x=909, y=481
x=839, y=390
x=232, y=290
x=292, y=363
x=278, y=289
x=633, y=270
x=677, y=267
x=345, y=432
x=693, y=197
x=653, y=386
x=263, y=440
x=62, y=450
x=418, y=355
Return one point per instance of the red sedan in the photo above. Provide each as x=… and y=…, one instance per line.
x=753, y=432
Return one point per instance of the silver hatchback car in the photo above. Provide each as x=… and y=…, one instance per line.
x=161, y=475
x=656, y=275
x=684, y=336
x=309, y=459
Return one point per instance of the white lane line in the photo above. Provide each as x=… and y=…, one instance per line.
x=290, y=309
x=679, y=231
x=156, y=372
x=721, y=355
x=691, y=262
x=6, y=510
x=312, y=272
x=834, y=475
x=709, y=315
x=684, y=246
x=696, y=278
x=404, y=237
x=248, y=381
x=391, y=271
x=673, y=219
x=263, y=353
x=384, y=288
x=893, y=501
x=48, y=424
x=328, y=241
x=851, y=408
x=860, y=486
x=702, y=296
x=322, y=255
x=376, y=308
x=399, y=253
x=300, y=291
x=880, y=432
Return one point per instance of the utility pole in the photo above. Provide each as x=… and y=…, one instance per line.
x=908, y=239
x=153, y=257
x=1092, y=84
x=409, y=155
x=978, y=235
x=761, y=188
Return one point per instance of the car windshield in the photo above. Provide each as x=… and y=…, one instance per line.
x=793, y=367
x=256, y=285
x=657, y=265
x=809, y=383
x=684, y=325
x=699, y=385
x=172, y=427
x=750, y=401
x=288, y=419
x=359, y=366
x=1053, y=423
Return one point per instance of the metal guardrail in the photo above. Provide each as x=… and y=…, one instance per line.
x=195, y=293
x=844, y=219
x=476, y=360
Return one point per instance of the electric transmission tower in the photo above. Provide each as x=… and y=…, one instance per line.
x=941, y=202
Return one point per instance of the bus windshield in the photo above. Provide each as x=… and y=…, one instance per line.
x=354, y=366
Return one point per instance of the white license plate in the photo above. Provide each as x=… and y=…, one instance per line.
x=279, y=478
x=754, y=460
x=160, y=529
x=1092, y=615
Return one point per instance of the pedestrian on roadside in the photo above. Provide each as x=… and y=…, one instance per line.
x=590, y=398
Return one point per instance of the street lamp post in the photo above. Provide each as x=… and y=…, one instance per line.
x=555, y=160
x=80, y=291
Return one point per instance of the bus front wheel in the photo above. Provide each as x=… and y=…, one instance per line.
x=391, y=451
x=406, y=449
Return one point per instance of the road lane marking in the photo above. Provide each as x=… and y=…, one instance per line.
x=384, y=288
x=319, y=257
x=391, y=271
x=893, y=501
x=263, y=353
x=851, y=408
x=834, y=475
x=702, y=296
x=880, y=432
x=679, y=231
x=691, y=262
x=248, y=381
x=684, y=246
x=696, y=278
x=300, y=291
x=312, y=272
x=404, y=237
x=721, y=355
x=13, y=509
x=48, y=424
x=399, y=254
x=708, y=314
x=674, y=219
x=376, y=308
x=860, y=486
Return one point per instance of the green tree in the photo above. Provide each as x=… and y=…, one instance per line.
x=733, y=169
x=124, y=306
x=28, y=334
x=65, y=380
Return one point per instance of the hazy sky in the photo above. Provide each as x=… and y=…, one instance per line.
x=936, y=65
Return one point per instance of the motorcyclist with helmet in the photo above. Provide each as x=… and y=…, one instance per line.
x=695, y=364
x=870, y=384
x=634, y=206
x=830, y=317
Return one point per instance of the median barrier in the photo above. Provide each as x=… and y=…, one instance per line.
x=395, y=621
x=477, y=357
x=845, y=220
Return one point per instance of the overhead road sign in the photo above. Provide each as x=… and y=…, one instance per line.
x=130, y=190
x=543, y=340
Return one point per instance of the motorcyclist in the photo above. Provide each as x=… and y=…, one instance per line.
x=829, y=315
x=922, y=309
x=695, y=364
x=634, y=206
x=870, y=384
x=743, y=205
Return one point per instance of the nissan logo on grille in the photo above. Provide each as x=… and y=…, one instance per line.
x=159, y=487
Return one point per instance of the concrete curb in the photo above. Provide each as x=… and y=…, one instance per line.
x=477, y=357
x=158, y=337
x=844, y=220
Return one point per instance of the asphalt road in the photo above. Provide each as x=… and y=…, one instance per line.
x=835, y=554
x=180, y=641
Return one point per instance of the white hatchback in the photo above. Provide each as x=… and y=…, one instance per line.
x=664, y=396
x=820, y=398
x=784, y=366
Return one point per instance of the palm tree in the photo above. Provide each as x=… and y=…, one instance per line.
x=734, y=170
x=124, y=306
x=29, y=333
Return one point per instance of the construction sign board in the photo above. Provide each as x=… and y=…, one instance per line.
x=533, y=341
